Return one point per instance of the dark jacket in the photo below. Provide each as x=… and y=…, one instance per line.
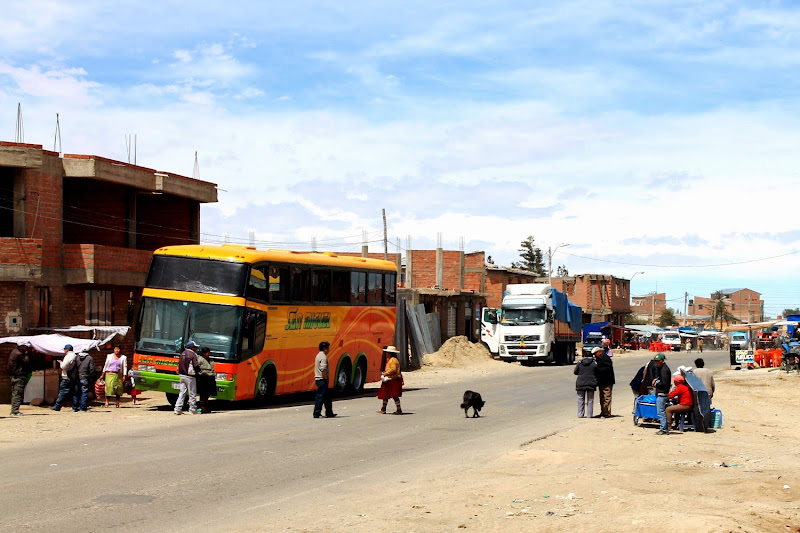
x=585, y=370
x=86, y=367
x=19, y=364
x=637, y=381
x=664, y=375
x=605, y=371
x=188, y=357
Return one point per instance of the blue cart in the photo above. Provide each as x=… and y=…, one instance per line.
x=644, y=407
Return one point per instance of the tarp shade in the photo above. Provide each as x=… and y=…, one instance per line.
x=54, y=343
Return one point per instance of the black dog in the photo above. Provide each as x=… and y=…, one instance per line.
x=474, y=400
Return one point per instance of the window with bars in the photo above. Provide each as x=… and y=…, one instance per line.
x=99, y=308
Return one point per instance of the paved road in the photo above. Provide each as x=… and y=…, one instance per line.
x=244, y=468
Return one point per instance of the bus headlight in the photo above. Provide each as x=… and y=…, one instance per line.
x=222, y=376
x=146, y=368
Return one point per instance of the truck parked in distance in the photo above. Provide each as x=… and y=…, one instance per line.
x=534, y=323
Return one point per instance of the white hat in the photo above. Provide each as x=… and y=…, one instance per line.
x=682, y=370
x=391, y=349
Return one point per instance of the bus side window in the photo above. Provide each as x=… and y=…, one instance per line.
x=301, y=284
x=254, y=329
x=321, y=286
x=358, y=288
x=375, y=288
x=257, y=288
x=340, y=286
x=390, y=286
x=278, y=284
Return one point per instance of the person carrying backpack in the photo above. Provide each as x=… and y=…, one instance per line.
x=85, y=373
x=69, y=377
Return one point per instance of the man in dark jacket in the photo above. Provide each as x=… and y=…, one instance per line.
x=188, y=366
x=19, y=365
x=605, y=380
x=661, y=379
x=585, y=384
x=86, y=372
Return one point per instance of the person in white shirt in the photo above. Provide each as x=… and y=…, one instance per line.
x=66, y=386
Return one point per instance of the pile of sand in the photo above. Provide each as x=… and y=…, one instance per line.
x=458, y=352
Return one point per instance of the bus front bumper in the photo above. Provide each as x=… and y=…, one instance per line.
x=170, y=384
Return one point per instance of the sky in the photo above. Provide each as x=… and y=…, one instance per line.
x=657, y=140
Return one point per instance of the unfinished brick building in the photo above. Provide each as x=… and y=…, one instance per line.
x=76, y=236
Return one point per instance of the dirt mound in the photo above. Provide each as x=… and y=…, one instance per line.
x=458, y=352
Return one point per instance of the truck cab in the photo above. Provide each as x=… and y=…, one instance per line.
x=527, y=327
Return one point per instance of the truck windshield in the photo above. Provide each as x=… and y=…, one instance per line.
x=166, y=326
x=524, y=317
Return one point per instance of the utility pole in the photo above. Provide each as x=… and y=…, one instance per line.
x=385, y=244
x=685, y=306
x=550, y=262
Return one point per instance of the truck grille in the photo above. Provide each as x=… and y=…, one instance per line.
x=521, y=338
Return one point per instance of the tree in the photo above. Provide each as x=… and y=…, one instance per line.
x=667, y=318
x=787, y=312
x=531, y=256
x=562, y=271
x=719, y=309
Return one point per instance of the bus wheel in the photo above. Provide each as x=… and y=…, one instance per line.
x=265, y=388
x=359, y=376
x=172, y=398
x=343, y=377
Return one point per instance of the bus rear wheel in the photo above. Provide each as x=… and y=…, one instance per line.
x=343, y=378
x=359, y=377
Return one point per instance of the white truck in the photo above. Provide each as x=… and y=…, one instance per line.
x=534, y=323
x=672, y=339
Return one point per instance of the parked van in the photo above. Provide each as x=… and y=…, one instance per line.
x=673, y=339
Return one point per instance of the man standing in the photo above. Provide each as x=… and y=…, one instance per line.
x=661, y=379
x=705, y=375
x=19, y=364
x=605, y=380
x=321, y=376
x=65, y=388
x=188, y=367
x=86, y=371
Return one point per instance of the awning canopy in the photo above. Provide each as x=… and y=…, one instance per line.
x=749, y=327
x=53, y=344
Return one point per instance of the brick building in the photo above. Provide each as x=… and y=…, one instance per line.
x=649, y=306
x=76, y=236
x=745, y=304
x=603, y=298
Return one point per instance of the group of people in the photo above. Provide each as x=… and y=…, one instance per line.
x=673, y=395
x=79, y=374
x=197, y=378
x=391, y=382
x=595, y=372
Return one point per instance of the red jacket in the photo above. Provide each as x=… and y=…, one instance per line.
x=682, y=392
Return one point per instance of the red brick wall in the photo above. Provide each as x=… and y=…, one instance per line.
x=423, y=269
x=20, y=251
x=106, y=257
x=43, y=207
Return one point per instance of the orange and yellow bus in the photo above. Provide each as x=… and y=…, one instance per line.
x=263, y=313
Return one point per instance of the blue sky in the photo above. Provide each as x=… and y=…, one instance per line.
x=655, y=137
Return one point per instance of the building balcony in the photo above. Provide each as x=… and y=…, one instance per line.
x=105, y=265
x=20, y=259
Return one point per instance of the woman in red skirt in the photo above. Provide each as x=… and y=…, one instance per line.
x=391, y=381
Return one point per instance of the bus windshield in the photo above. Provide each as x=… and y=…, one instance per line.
x=167, y=325
x=197, y=275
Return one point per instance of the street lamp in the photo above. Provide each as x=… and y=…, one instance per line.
x=550, y=262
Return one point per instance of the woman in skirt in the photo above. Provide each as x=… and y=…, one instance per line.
x=391, y=381
x=115, y=369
